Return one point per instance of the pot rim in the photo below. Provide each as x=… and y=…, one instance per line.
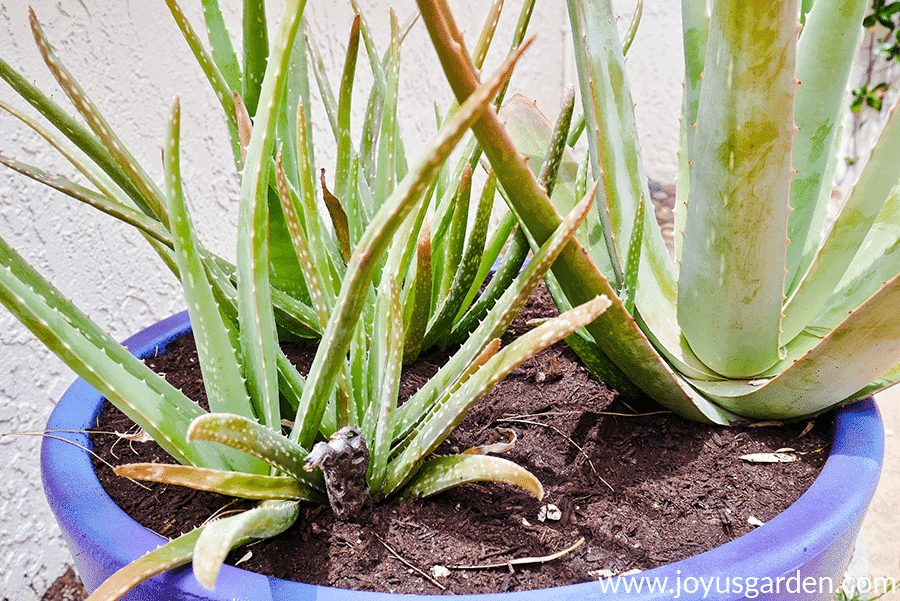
x=820, y=527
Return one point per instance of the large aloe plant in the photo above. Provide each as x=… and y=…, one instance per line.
x=371, y=281
x=766, y=313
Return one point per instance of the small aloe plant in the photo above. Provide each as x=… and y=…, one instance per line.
x=767, y=313
x=373, y=282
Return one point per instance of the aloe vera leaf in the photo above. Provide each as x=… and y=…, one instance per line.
x=735, y=230
x=615, y=331
x=420, y=294
x=235, y=484
x=99, y=201
x=863, y=348
x=466, y=269
x=628, y=38
x=360, y=271
x=222, y=378
x=556, y=151
x=656, y=295
x=248, y=436
x=75, y=156
x=498, y=319
x=453, y=242
x=345, y=144
x=257, y=323
x=175, y=553
x=866, y=198
x=632, y=266
x=441, y=473
x=481, y=47
x=131, y=386
x=222, y=86
x=256, y=52
x=325, y=91
x=371, y=51
x=301, y=246
x=695, y=34
x=338, y=219
x=446, y=415
x=518, y=39
x=515, y=256
x=385, y=173
x=222, y=51
x=219, y=537
x=386, y=406
x=825, y=53
x=74, y=131
x=150, y=195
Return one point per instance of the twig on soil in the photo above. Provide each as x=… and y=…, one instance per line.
x=563, y=434
x=522, y=560
x=409, y=565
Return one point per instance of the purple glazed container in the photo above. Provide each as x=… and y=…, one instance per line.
x=801, y=554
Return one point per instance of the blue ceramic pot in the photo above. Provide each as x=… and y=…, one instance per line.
x=801, y=554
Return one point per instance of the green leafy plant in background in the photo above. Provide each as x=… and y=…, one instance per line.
x=766, y=313
x=387, y=269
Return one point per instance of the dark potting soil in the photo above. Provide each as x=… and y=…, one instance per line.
x=641, y=486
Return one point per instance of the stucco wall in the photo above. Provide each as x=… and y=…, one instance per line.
x=133, y=61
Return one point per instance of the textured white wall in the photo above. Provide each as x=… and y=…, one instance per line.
x=133, y=61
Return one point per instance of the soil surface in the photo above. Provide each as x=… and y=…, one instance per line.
x=641, y=486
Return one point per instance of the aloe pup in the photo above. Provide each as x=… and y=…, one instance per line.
x=766, y=313
x=385, y=267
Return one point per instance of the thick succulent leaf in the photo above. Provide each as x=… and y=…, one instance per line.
x=220, y=44
x=218, y=538
x=257, y=440
x=150, y=195
x=361, y=269
x=730, y=285
x=131, y=386
x=218, y=359
x=101, y=202
x=440, y=473
x=879, y=175
x=235, y=484
x=211, y=65
x=345, y=150
x=257, y=321
x=615, y=331
x=173, y=554
x=862, y=349
x=825, y=53
x=256, y=51
x=389, y=138
x=449, y=411
x=419, y=298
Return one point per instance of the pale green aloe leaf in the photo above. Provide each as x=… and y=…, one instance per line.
x=257, y=322
x=744, y=135
x=173, y=554
x=820, y=373
x=390, y=363
x=345, y=150
x=325, y=90
x=879, y=175
x=211, y=68
x=101, y=202
x=419, y=298
x=222, y=378
x=452, y=408
x=450, y=236
x=298, y=237
x=260, y=441
x=466, y=269
x=220, y=44
x=389, y=137
x=361, y=269
x=632, y=266
x=615, y=331
x=256, y=52
x=150, y=195
x=695, y=34
x=824, y=56
x=441, y=473
x=628, y=38
x=219, y=537
x=234, y=484
x=131, y=386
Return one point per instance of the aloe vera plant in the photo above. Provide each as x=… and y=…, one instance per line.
x=766, y=313
x=386, y=269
